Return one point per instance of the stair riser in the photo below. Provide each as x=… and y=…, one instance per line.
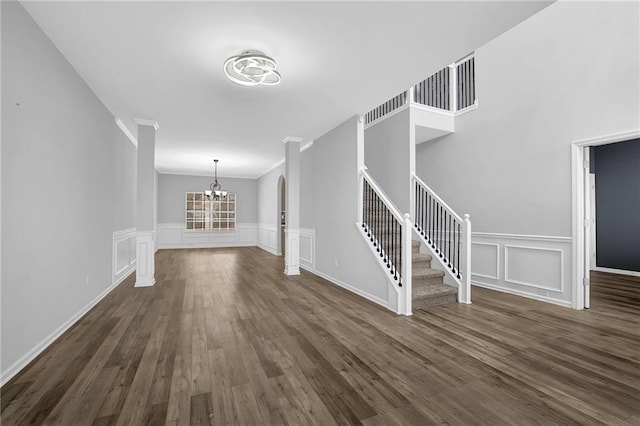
x=433, y=301
x=418, y=281
x=421, y=264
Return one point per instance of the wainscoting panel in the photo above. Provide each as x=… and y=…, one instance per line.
x=534, y=266
x=307, y=248
x=485, y=260
x=174, y=235
x=124, y=254
x=267, y=238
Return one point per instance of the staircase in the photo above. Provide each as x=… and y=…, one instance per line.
x=428, y=287
x=396, y=239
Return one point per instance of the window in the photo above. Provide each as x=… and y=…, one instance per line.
x=203, y=214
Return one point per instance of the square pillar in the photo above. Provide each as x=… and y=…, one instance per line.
x=292, y=229
x=145, y=200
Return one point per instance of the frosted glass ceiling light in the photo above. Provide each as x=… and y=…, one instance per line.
x=251, y=68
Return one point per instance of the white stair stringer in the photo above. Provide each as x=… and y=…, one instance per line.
x=397, y=295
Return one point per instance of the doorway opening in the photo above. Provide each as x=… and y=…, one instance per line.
x=281, y=215
x=584, y=185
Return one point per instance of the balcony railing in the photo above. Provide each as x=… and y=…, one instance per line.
x=451, y=89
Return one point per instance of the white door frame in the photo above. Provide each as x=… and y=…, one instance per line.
x=580, y=211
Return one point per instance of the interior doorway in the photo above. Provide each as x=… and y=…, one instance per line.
x=584, y=184
x=281, y=214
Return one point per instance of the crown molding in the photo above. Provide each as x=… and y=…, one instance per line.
x=201, y=174
x=126, y=131
x=292, y=139
x=146, y=122
x=272, y=168
x=281, y=162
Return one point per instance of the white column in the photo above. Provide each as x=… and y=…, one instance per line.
x=292, y=227
x=145, y=252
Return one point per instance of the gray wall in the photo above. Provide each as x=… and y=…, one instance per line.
x=268, y=197
x=57, y=189
x=124, y=183
x=329, y=191
x=308, y=175
x=617, y=170
x=387, y=147
x=568, y=73
x=172, y=189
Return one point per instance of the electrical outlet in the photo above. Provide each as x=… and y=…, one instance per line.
x=86, y=283
x=336, y=261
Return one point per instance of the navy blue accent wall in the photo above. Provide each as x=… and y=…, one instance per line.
x=617, y=170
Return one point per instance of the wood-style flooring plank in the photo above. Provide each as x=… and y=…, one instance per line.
x=224, y=337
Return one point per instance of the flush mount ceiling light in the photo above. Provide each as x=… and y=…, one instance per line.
x=252, y=68
x=215, y=189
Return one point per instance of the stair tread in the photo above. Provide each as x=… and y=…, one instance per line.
x=422, y=257
x=427, y=272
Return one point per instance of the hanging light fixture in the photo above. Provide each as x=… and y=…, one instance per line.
x=252, y=68
x=215, y=192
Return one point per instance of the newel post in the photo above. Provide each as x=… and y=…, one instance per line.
x=453, y=88
x=407, y=252
x=465, y=296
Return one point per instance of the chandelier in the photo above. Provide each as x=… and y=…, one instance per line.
x=215, y=192
x=252, y=68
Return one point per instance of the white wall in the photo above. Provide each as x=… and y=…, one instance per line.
x=568, y=73
x=268, y=218
x=387, y=146
x=172, y=189
x=124, y=183
x=329, y=190
x=171, y=232
x=125, y=177
x=57, y=192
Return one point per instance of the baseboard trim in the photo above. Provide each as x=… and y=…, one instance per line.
x=523, y=294
x=350, y=288
x=21, y=363
x=617, y=271
x=269, y=249
x=206, y=246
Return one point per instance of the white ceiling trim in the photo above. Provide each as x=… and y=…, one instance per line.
x=203, y=174
x=126, y=132
x=292, y=139
x=147, y=122
x=281, y=162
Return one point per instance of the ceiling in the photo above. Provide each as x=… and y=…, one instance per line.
x=163, y=61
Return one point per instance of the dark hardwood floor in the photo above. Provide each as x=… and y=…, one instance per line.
x=224, y=337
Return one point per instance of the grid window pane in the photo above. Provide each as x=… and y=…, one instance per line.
x=202, y=214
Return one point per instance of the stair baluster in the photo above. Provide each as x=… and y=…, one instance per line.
x=382, y=227
x=444, y=232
